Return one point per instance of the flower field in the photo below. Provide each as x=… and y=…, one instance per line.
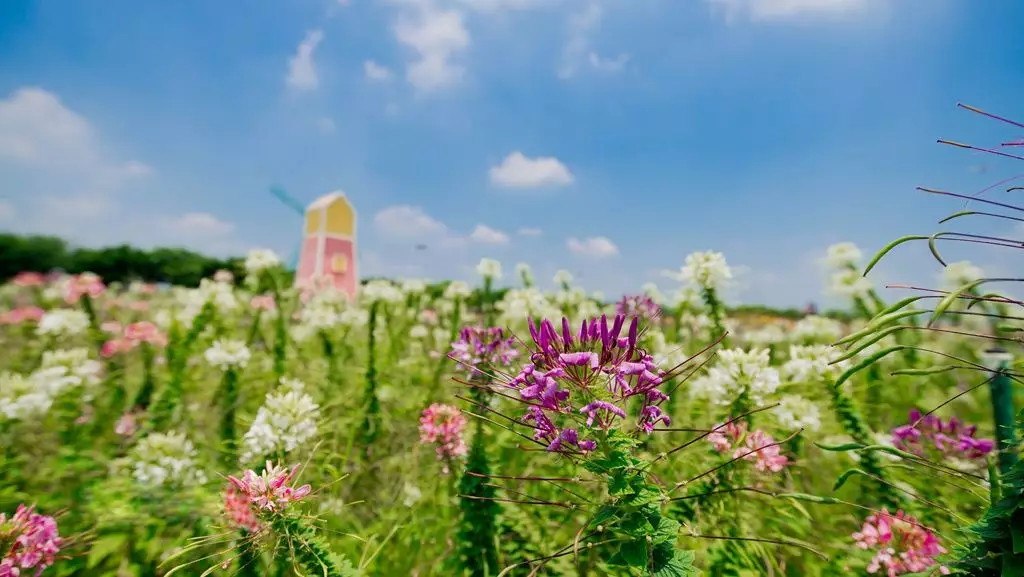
x=247, y=428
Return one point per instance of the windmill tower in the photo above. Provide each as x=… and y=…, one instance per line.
x=327, y=251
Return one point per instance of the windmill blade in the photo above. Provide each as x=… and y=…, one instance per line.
x=288, y=200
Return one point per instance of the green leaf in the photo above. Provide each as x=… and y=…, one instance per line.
x=671, y=562
x=603, y=514
x=666, y=531
x=103, y=548
x=634, y=553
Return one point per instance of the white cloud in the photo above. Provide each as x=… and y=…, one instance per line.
x=200, y=224
x=518, y=171
x=404, y=220
x=301, y=69
x=376, y=72
x=6, y=211
x=576, y=47
x=596, y=247
x=487, y=235
x=37, y=129
x=436, y=36
x=499, y=5
x=526, y=231
x=136, y=168
x=616, y=64
x=767, y=10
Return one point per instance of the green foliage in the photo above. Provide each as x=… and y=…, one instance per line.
x=477, y=547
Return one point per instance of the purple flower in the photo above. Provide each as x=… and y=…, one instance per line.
x=948, y=439
x=594, y=371
x=478, y=347
x=641, y=306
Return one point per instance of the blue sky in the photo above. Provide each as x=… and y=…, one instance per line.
x=627, y=133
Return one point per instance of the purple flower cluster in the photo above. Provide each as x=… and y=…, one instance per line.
x=579, y=384
x=28, y=540
x=641, y=306
x=483, y=346
x=948, y=438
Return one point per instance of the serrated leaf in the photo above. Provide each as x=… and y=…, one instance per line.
x=634, y=553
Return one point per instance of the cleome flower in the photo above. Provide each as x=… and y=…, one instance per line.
x=578, y=385
x=28, y=540
x=269, y=491
x=638, y=305
x=286, y=421
x=756, y=446
x=901, y=544
x=949, y=439
x=442, y=425
x=483, y=347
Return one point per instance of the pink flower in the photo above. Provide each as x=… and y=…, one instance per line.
x=901, y=544
x=111, y=327
x=21, y=315
x=270, y=491
x=145, y=332
x=85, y=284
x=126, y=425
x=442, y=425
x=33, y=541
x=761, y=447
x=238, y=512
x=263, y=302
x=29, y=279
x=115, y=347
x=722, y=437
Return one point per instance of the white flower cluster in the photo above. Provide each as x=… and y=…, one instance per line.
x=817, y=329
x=520, y=304
x=381, y=291
x=654, y=293
x=260, y=259
x=75, y=363
x=738, y=372
x=457, y=290
x=813, y=363
x=285, y=422
x=525, y=273
x=843, y=255
x=563, y=278
x=228, y=354
x=707, y=270
x=489, y=268
x=414, y=286
x=849, y=282
x=957, y=274
x=767, y=334
x=795, y=412
x=62, y=323
x=166, y=459
x=23, y=397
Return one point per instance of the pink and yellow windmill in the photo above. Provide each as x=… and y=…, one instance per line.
x=328, y=252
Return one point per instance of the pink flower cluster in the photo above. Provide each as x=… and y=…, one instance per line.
x=594, y=371
x=85, y=284
x=21, y=315
x=263, y=303
x=442, y=425
x=757, y=446
x=948, y=438
x=238, y=511
x=641, y=306
x=29, y=279
x=269, y=491
x=134, y=334
x=28, y=540
x=901, y=544
x=483, y=347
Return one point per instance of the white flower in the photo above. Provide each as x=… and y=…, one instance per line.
x=418, y=332
x=76, y=364
x=708, y=270
x=286, y=421
x=843, y=255
x=228, y=354
x=795, y=412
x=457, y=290
x=654, y=293
x=957, y=274
x=166, y=459
x=63, y=323
x=768, y=334
x=813, y=328
x=813, y=363
x=563, y=278
x=738, y=372
x=23, y=398
x=412, y=494
x=849, y=283
x=260, y=259
x=381, y=291
x=525, y=273
x=489, y=268
x=413, y=286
